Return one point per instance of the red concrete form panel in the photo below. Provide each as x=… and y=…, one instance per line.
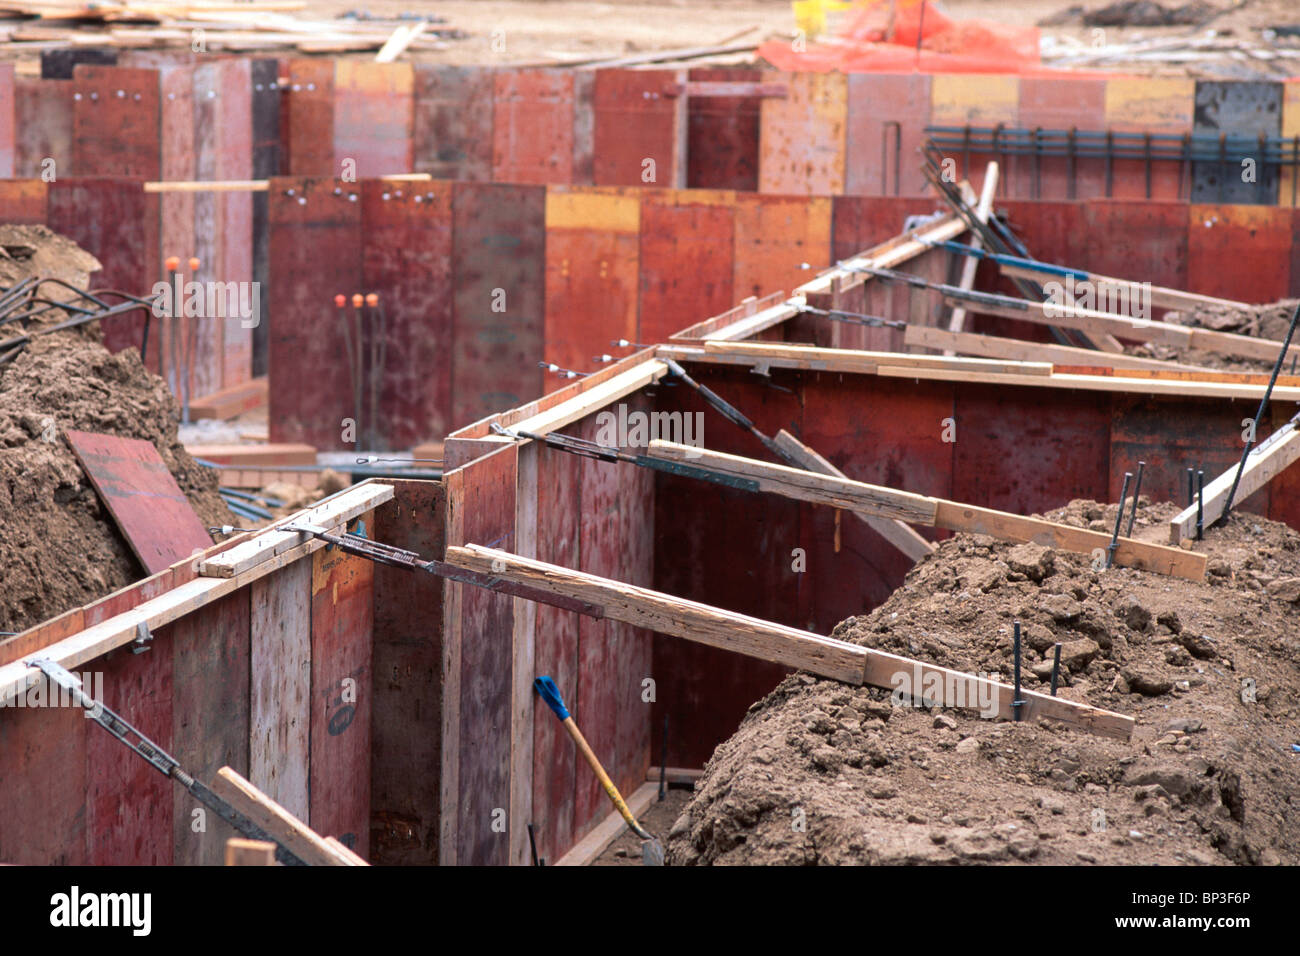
x=499, y=302
x=592, y=275
x=116, y=122
x=342, y=631
x=1145, y=241
x=23, y=201
x=407, y=260
x=860, y=222
x=686, y=261
x=452, y=122
x=555, y=761
x=1026, y=451
x=373, y=117
x=308, y=120
x=637, y=128
x=129, y=804
x=44, y=821
x=136, y=487
x=775, y=236
x=1172, y=435
x=1284, y=490
x=7, y=118
x=315, y=252
x=1052, y=232
x=1058, y=103
x=722, y=137
x=699, y=528
x=532, y=126
x=406, y=743
x=485, y=631
x=1239, y=252
x=43, y=117
x=210, y=718
x=887, y=116
x=802, y=135
x=117, y=223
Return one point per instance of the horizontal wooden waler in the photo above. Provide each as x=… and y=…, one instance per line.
x=934, y=512
x=754, y=637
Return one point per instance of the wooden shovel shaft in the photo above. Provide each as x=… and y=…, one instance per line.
x=585, y=749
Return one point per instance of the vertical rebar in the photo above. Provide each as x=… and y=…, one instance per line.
x=1056, y=668
x=1119, y=520
x=663, y=761
x=1137, y=490
x=1200, y=503
x=1016, y=702
x=1191, y=485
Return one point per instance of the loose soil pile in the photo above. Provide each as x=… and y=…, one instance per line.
x=821, y=772
x=59, y=547
x=1258, y=321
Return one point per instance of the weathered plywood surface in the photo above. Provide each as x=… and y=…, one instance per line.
x=686, y=262
x=406, y=736
x=43, y=112
x=532, y=127
x=210, y=718
x=308, y=119
x=1219, y=234
x=775, y=237
x=722, y=147
x=498, y=268
x=887, y=116
x=803, y=135
x=342, y=627
x=373, y=113
x=452, y=134
x=152, y=512
x=636, y=128
x=44, y=819
x=280, y=691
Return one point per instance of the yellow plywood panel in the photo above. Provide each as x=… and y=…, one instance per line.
x=974, y=99
x=802, y=135
x=1291, y=128
x=594, y=208
x=369, y=77
x=1158, y=104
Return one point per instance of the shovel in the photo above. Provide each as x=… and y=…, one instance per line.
x=652, y=851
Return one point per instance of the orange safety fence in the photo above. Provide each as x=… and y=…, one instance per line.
x=880, y=36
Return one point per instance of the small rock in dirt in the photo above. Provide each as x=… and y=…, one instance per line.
x=828, y=759
x=1032, y=560
x=1052, y=803
x=1198, y=645
x=1061, y=607
x=1038, y=637
x=1285, y=589
x=1145, y=682
x=1218, y=568
x=681, y=827
x=943, y=721
x=1132, y=612
x=1077, y=654
x=1186, y=725
x=968, y=746
x=1170, y=620
x=820, y=722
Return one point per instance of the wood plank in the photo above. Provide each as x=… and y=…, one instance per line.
x=269, y=542
x=665, y=614
x=1265, y=461
x=585, y=851
x=269, y=453
x=280, y=663
x=244, y=852
x=753, y=637
x=522, y=668
x=583, y=404
x=231, y=402
x=450, y=680
x=1162, y=297
x=672, y=775
x=992, y=346
x=856, y=360
x=887, y=255
x=957, y=322
x=278, y=822
x=918, y=509
x=896, y=532
x=151, y=511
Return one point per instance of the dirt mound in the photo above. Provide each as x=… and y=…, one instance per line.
x=59, y=547
x=821, y=772
x=1258, y=321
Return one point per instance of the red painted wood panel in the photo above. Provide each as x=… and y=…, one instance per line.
x=1255, y=239
x=43, y=115
x=23, y=201
x=1046, y=102
x=452, y=123
x=406, y=735
x=636, y=128
x=44, y=819
x=686, y=263
x=315, y=252
x=117, y=115
x=887, y=116
x=722, y=146
x=775, y=236
x=555, y=761
x=117, y=223
x=152, y=513
x=342, y=630
x=1028, y=450
x=373, y=113
x=1145, y=241
x=308, y=119
x=407, y=260
x=499, y=298
x=592, y=276
x=210, y=718
x=129, y=803
x=532, y=128
x=486, y=654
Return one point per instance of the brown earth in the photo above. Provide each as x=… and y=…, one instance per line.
x=59, y=547
x=821, y=772
x=1269, y=321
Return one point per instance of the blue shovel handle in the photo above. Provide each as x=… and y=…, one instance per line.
x=551, y=694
